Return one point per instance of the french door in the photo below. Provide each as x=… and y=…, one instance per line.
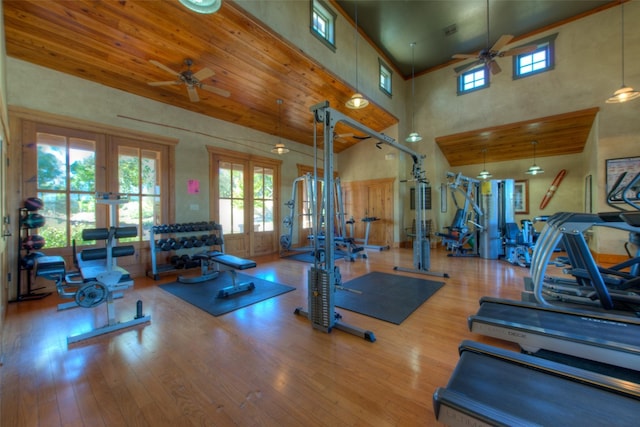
x=245, y=201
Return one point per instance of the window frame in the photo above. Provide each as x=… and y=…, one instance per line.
x=460, y=80
x=31, y=122
x=383, y=69
x=321, y=8
x=545, y=43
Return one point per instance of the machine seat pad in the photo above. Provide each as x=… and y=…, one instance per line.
x=233, y=261
x=50, y=265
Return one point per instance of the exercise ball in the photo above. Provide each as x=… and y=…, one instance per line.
x=33, y=220
x=33, y=242
x=33, y=204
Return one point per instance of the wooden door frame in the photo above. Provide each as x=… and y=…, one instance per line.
x=217, y=154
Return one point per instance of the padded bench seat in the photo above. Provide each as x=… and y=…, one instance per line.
x=232, y=261
x=50, y=267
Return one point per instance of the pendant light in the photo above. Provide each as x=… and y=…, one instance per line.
x=484, y=173
x=202, y=6
x=625, y=93
x=413, y=136
x=279, y=148
x=357, y=101
x=534, y=169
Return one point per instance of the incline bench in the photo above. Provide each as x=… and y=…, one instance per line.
x=222, y=262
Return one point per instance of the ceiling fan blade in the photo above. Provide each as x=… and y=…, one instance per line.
x=205, y=73
x=216, y=90
x=193, y=94
x=468, y=67
x=464, y=56
x=344, y=135
x=502, y=42
x=164, y=67
x=519, y=50
x=361, y=137
x=172, y=82
x=494, y=67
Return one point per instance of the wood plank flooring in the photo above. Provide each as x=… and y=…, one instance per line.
x=257, y=366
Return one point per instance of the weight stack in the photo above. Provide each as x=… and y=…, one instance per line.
x=422, y=258
x=321, y=307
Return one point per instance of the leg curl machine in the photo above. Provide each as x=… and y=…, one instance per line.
x=98, y=280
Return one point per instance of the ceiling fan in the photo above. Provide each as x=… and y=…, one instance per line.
x=488, y=55
x=190, y=79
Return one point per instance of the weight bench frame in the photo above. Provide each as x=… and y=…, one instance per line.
x=223, y=262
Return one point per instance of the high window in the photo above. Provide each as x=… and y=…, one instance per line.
x=323, y=21
x=385, y=78
x=537, y=61
x=473, y=80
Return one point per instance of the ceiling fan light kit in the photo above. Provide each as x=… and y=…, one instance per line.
x=202, y=6
x=190, y=79
x=487, y=56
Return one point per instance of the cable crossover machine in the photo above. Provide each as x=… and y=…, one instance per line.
x=324, y=276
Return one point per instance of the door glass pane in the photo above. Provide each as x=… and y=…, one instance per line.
x=262, y=199
x=82, y=165
x=129, y=216
x=150, y=178
x=52, y=162
x=55, y=215
x=128, y=170
x=231, y=200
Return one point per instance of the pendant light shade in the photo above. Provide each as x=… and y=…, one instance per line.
x=357, y=101
x=202, y=6
x=484, y=173
x=534, y=169
x=279, y=148
x=625, y=93
x=413, y=136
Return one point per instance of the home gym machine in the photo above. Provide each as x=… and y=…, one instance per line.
x=324, y=277
x=341, y=240
x=462, y=236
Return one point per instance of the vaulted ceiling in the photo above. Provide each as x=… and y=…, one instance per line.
x=112, y=43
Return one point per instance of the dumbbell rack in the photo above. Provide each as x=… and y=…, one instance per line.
x=186, y=238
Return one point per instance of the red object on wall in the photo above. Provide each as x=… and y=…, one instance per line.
x=552, y=189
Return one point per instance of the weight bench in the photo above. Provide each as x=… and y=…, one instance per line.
x=222, y=262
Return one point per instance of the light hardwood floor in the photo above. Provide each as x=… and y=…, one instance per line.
x=260, y=365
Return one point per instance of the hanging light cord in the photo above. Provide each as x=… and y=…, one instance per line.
x=413, y=86
x=622, y=37
x=356, y=37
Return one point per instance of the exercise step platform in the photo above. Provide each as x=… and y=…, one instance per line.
x=497, y=387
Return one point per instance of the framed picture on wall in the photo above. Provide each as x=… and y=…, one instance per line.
x=620, y=174
x=521, y=196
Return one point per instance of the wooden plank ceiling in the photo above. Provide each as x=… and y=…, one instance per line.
x=555, y=135
x=111, y=42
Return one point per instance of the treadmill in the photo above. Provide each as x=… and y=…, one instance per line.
x=604, y=338
x=496, y=387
